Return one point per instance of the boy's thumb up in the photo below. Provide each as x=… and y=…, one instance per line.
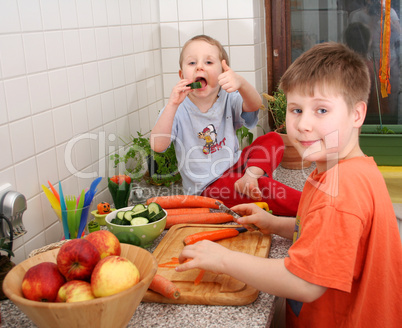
x=225, y=66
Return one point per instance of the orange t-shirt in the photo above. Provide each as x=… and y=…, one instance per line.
x=347, y=239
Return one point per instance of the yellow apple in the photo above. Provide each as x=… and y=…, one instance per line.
x=105, y=241
x=75, y=291
x=112, y=275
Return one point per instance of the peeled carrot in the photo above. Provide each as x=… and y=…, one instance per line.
x=207, y=218
x=210, y=235
x=187, y=210
x=165, y=287
x=172, y=264
x=199, y=277
x=179, y=201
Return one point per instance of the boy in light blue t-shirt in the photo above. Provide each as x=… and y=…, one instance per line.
x=202, y=124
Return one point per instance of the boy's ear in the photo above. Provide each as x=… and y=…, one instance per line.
x=359, y=111
x=181, y=74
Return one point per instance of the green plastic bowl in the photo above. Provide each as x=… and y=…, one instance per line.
x=100, y=218
x=147, y=232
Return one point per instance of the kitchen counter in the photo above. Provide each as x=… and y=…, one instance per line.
x=148, y=315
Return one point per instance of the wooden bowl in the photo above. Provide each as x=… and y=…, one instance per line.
x=111, y=311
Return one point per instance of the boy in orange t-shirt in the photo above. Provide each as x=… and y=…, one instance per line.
x=344, y=268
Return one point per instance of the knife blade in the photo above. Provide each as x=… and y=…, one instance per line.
x=235, y=215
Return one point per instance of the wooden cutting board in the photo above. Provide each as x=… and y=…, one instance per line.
x=214, y=289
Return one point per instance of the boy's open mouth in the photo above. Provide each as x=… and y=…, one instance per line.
x=202, y=81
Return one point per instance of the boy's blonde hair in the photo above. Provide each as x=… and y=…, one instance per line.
x=329, y=65
x=208, y=39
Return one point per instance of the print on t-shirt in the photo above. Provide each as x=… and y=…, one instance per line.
x=209, y=135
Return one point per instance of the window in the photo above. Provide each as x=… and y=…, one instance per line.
x=294, y=26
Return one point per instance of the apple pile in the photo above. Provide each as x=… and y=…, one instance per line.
x=86, y=268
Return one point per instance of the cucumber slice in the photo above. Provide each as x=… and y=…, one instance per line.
x=139, y=221
x=195, y=85
x=158, y=216
x=138, y=208
x=154, y=208
x=125, y=222
x=143, y=213
x=152, y=217
x=120, y=215
x=116, y=221
x=128, y=215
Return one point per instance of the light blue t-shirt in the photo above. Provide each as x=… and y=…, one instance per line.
x=206, y=144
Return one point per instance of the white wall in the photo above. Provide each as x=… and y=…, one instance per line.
x=99, y=70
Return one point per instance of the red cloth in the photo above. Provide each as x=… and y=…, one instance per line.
x=347, y=240
x=265, y=152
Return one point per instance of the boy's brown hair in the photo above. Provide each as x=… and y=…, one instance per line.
x=222, y=52
x=329, y=65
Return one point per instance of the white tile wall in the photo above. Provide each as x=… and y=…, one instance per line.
x=12, y=55
x=75, y=76
x=168, y=10
x=241, y=31
x=39, y=92
x=215, y=9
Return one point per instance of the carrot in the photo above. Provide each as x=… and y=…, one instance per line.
x=210, y=235
x=199, y=277
x=172, y=264
x=207, y=218
x=179, y=201
x=187, y=210
x=165, y=287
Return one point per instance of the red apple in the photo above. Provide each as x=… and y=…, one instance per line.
x=42, y=282
x=106, y=243
x=77, y=258
x=75, y=291
x=112, y=275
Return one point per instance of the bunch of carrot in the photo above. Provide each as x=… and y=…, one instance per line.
x=190, y=209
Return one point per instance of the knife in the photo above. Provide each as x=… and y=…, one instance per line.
x=236, y=216
x=213, y=235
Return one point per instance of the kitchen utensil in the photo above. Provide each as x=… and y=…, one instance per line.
x=79, y=197
x=80, y=204
x=11, y=234
x=112, y=311
x=53, y=201
x=84, y=215
x=214, y=289
x=236, y=216
x=70, y=203
x=89, y=195
x=54, y=191
x=13, y=204
x=63, y=213
x=93, y=186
